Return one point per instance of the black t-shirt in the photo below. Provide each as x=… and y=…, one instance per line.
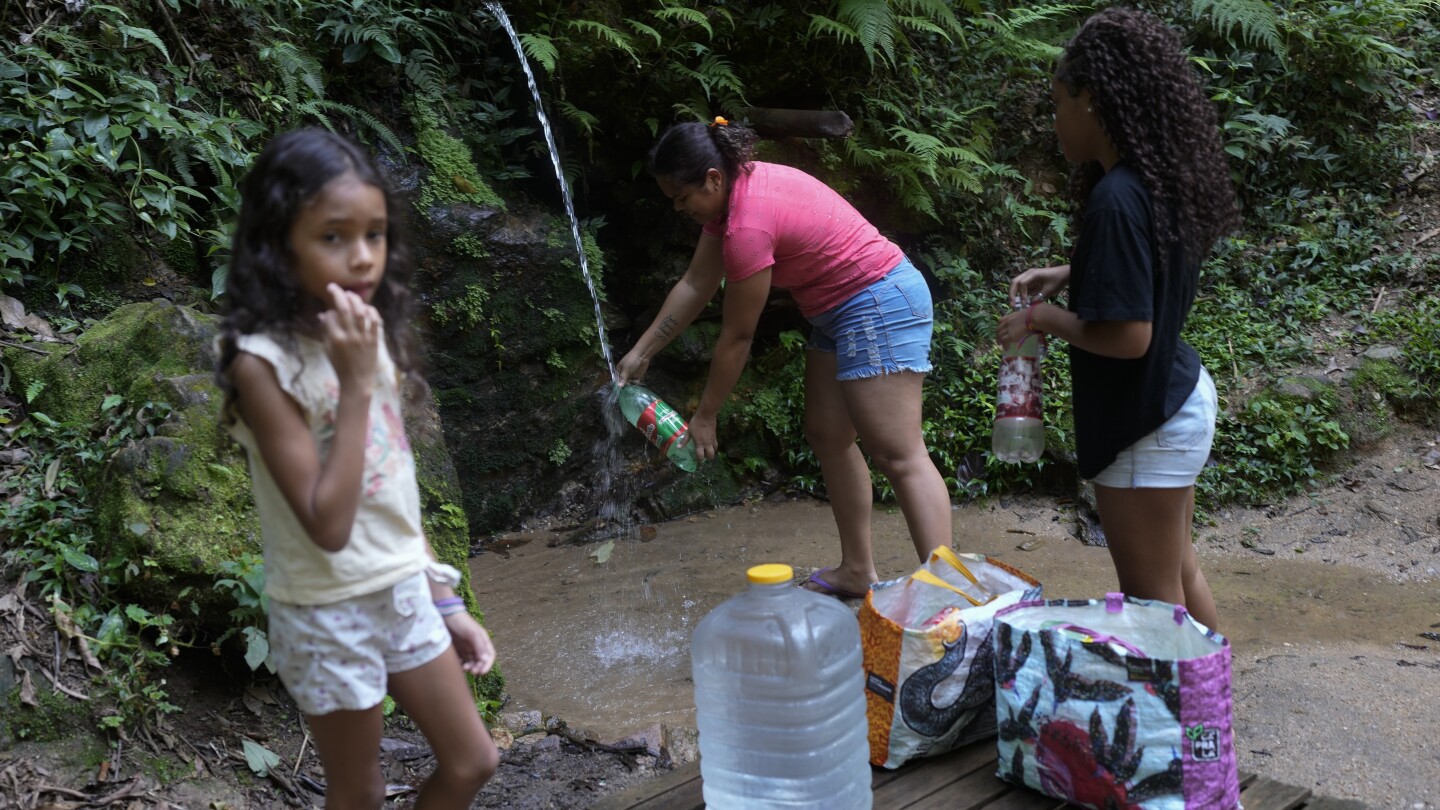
x=1113, y=278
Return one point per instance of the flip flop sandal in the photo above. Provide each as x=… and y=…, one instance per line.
x=821, y=586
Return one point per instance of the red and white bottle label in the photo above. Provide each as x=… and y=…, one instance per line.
x=661, y=425
x=1019, y=391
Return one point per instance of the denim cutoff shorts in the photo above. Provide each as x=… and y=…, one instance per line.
x=1173, y=455
x=883, y=329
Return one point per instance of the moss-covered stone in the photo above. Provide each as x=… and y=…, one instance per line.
x=446, y=524
x=180, y=497
x=56, y=717
x=1297, y=390
x=1377, y=389
x=453, y=176
x=178, y=493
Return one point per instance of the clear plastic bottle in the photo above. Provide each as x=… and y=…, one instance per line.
x=780, y=700
x=660, y=423
x=1018, y=434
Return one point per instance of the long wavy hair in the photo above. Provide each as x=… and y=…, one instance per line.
x=1152, y=106
x=262, y=293
x=686, y=151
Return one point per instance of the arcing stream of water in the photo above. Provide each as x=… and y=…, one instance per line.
x=607, y=459
x=499, y=13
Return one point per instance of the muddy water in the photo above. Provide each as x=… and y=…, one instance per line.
x=1329, y=665
x=605, y=646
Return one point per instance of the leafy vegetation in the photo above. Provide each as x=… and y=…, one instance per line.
x=48, y=532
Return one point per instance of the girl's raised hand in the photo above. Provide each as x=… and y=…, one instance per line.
x=1038, y=284
x=351, y=330
x=472, y=643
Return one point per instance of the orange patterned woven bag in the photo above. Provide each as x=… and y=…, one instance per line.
x=929, y=678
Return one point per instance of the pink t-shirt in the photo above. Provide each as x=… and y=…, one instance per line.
x=820, y=247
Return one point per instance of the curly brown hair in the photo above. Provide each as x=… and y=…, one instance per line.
x=261, y=291
x=1151, y=104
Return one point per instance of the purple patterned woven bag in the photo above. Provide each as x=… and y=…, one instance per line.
x=1121, y=703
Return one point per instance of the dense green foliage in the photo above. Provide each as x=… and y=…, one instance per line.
x=131, y=123
x=49, y=505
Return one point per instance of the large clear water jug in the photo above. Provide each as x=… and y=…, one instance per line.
x=780, y=700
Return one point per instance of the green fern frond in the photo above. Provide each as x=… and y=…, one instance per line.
x=824, y=26
x=937, y=12
x=861, y=155
x=642, y=28
x=541, y=50
x=924, y=26
x=295, y=65
x=318, y=107
x=693, y=110
x=211, y=156
x=681, y=15
x=145, y=35
x=1006, y=34
x=874, y=23
x=182, y=164
x=923, y=144
x=423, y=70
x=885, y=105
x=584, y=123
x=1256, y=19
x=613, y=37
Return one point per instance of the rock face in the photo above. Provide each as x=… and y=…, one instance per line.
x=178, y=494
x=517, y=369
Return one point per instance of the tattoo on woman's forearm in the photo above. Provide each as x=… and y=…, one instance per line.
x=666, y=329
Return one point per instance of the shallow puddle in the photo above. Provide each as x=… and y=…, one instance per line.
x=606, y=646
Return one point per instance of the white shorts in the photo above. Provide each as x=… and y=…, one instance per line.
x=338, y=657
x=1174, y=454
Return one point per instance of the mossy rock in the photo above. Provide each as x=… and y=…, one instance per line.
x=1300, y=389
x=180, y=498
x=1376, y=389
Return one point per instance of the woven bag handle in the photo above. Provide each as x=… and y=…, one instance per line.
x=949, y=556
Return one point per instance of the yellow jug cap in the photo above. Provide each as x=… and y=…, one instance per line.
x=770, y=574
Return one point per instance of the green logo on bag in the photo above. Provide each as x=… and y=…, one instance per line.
x=1204, y=743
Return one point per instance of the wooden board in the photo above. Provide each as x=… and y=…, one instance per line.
x=1327, y=803
x=963, y=779
x=679, y=789
x=931, y=774
x=1267, y=794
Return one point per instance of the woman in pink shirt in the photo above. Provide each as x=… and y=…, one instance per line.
x=871, y=318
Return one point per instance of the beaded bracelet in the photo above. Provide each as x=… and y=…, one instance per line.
x=450, y=606
x=1030, y=317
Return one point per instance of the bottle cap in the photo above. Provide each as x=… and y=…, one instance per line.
x=770, y=574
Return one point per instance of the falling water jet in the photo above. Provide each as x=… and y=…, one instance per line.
x=607, y=467
x=498, y=12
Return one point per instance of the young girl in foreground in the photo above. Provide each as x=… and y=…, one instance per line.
x=1154, y=197
x=314, y=352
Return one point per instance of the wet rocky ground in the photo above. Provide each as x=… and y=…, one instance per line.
x=1331, y=601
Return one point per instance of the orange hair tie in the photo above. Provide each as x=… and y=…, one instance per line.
x=719, y=122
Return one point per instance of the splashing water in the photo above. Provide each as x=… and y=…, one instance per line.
x=499, y=13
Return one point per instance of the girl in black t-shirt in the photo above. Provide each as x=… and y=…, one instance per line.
x=1154, y=195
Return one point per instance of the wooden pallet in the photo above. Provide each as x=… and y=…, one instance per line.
x=963, y=779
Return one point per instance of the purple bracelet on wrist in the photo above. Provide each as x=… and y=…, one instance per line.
x=450, y=605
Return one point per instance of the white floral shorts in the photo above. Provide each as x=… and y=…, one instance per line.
x=338, y=657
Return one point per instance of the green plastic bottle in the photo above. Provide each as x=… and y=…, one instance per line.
x=660, y=423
